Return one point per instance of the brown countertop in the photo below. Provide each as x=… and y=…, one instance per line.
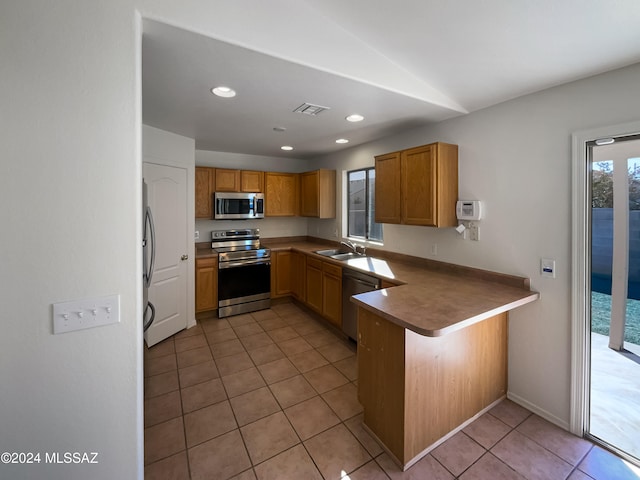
x=433, y=298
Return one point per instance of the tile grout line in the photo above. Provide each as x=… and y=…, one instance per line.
x=281, y=409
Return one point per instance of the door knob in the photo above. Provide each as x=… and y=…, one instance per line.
x=184, y=257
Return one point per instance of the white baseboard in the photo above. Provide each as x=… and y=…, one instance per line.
x=538, y=411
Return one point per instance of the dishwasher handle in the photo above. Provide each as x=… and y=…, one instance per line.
x=375, y=286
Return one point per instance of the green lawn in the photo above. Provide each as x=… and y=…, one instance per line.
x=601, y=315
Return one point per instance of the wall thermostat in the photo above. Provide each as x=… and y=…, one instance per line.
x=468, y=209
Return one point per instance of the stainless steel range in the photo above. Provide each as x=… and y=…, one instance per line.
x=244, y=271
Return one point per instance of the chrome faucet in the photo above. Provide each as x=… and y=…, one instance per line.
x=354, y=248
x=351, y=245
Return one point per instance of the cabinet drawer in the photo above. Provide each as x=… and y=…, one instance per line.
x=314, y=262
x=332, y=269
x=206, y=262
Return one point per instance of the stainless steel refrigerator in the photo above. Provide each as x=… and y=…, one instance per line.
x=148, y=258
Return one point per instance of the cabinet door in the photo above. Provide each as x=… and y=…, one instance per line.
x=381, y=377
x=318, y=194
x=206, y=284
x=388, y=182
x=419, y=172
x=332, y=297
x=251, y=181
x=227, y=180
x=327, y=194
x=314, y=287
x=447, y=184
x=204, y=185
x=298, y=275
x=280, y=274
x=281, y=194
x=309, y=188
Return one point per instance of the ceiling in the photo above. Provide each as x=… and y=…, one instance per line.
x=420, y=62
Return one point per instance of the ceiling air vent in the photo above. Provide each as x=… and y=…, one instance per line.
x=310, y=109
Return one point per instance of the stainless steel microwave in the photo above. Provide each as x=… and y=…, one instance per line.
x=238, y=206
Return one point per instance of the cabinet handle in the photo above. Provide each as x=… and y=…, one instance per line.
x=184, y=257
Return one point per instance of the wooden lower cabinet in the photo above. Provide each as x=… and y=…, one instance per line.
x=206, y=284
x=417, y=389
x=332, y=293
x=280, y=274
x=314, y=284
x=299, y=276
x=324, y=289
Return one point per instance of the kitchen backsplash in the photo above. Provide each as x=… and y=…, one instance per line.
x=269, y=227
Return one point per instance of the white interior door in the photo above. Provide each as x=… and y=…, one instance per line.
x=167, y=197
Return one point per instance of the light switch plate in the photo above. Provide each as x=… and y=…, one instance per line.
x=474, y=231
x=87, y=313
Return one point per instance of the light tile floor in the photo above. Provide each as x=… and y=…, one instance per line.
x=273, y=395
x=615, y=394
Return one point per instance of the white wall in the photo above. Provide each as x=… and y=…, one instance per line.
x=167, y=148
x=269, y=227
x=516, y=157
x=70, y=131
x=70, y=165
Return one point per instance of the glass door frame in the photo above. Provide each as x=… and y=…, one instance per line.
x=581, y=270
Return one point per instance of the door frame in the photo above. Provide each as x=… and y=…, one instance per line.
x=580, y=278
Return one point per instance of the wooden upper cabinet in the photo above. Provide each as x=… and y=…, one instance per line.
x=227, y=180
x=251, y=181
x=281, y=194
x=422, y=181
x=204, y=186
x=388, y=209
x=418, y=171
x=318, y=194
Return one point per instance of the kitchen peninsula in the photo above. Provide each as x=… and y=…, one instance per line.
x=432, y=347
x=431, y=358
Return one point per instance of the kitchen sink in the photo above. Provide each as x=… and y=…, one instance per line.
x=330, y=252
x=345, y=256
x=337, y=254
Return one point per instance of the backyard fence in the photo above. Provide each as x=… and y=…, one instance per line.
x=602, y=251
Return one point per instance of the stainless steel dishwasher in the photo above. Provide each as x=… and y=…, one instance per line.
x=354, y=283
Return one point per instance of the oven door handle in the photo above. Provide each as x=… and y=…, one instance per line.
x=243, y=263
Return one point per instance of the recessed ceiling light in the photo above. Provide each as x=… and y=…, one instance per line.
x=225, y=92
x=342, y=140
x=286, y=147
x=354, y=118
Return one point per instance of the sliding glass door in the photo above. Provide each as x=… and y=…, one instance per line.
x=614, y=392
